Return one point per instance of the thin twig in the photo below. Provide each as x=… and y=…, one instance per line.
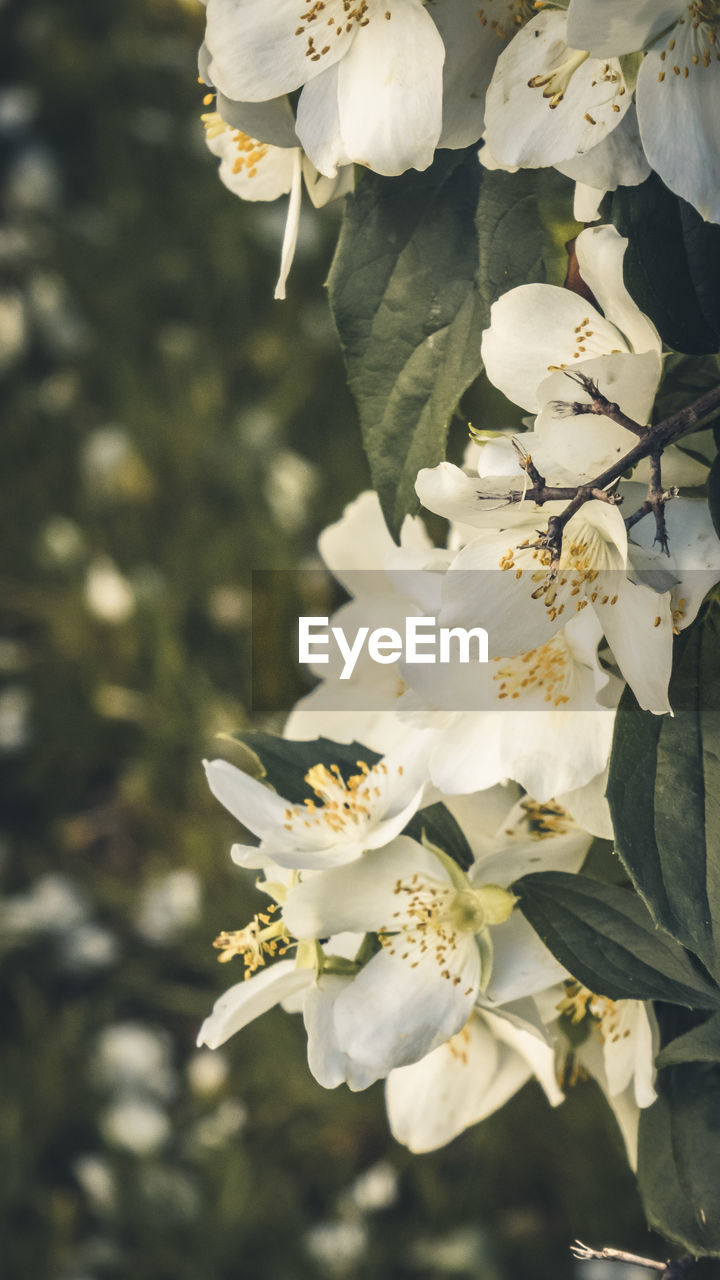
x=654, y=440
x=672, y=1269
x=599, y=404
x=657, y=501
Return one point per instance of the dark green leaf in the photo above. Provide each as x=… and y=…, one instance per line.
x=284, y=763
x=664, y=794
x=524, y=221
x=439, y=826
x=672, y=264
x=702, y=1044
x=606, y=937
x=685, y=379
x=411, y=298
x=402, y=291
x=678, y=1166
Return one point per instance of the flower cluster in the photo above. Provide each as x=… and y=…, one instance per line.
x=410, y=968
x=399, y=939
x=602, y=90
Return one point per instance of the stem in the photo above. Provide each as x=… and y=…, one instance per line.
x=654, y=440
x=673, y=1269
x=600, y=405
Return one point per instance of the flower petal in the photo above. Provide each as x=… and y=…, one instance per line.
x=260, y=50
x=390, y=89
x=678, y=109
x=535, y=1051
x=292, y=223
x=519, y=352
x=639, y=631
x=522, y=964
x=694, y=553
x=470, y=500
x=588, y=806
x=472, y=48
x=357, y=898
x=547, y=102
x=394, y=1013
x=247, y=1000
x=608, y=27
x=250, y=169
x=619, y=160
x=254, y=804
x=329, y=1065
x=318, y=123
x=600, y=254
x=430, y=1102
x=565, y=852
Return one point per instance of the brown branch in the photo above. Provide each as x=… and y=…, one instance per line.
x=654, y=440
x=672, y=1269
x=656, y=498
x=599, y=404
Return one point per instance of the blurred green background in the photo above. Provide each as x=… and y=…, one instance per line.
x=167, y=427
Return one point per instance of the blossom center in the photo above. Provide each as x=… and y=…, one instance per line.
x=436, y=918
x=346, y=804
x=548, y=668
x=579, y=1003
x=554, y=83
x=576, y=584
x=263, y=938
x=545, y=820
x=249, y=151
x=699, y=41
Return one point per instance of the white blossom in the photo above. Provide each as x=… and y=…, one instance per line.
x=366, y=810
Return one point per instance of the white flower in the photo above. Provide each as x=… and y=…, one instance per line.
x=360, y=553
x=308, y=983
x=371, y=74
x=693, y=563
x=365, y=811
x=678, y=84
x=434, y=925
x=619, y=1052
x=542, y=338
x=529, y=606
x=549, y=102
x=465, y=1080
x=255, y=170
x=537, y=330
x=503, y=716
x=474, y=36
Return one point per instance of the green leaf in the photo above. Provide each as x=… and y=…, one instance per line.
x=606, y=937
x=672, y=264
x=524, y=222
x=283, y=763
x=411, y=297
x=402, y=291
x=685, y=379
x=678, y=1167
x=664, y=794
x=702, y=1044
x=439, y=826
